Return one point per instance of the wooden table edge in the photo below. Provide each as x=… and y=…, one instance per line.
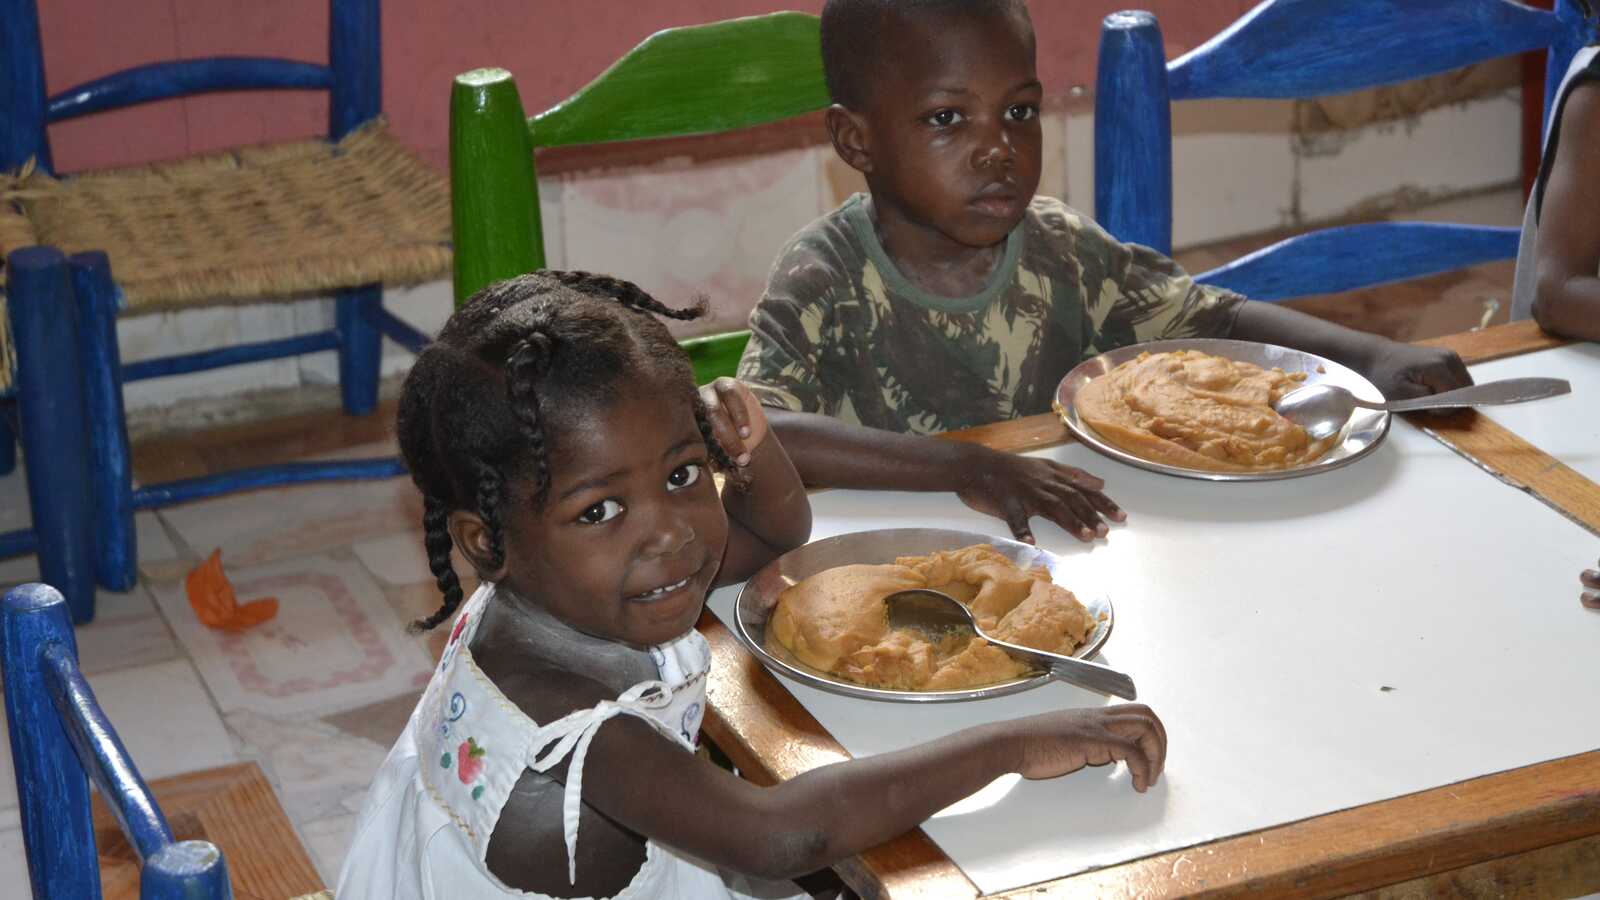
x=1500, y=451
x=1497, y=342
x=1368, y=846
x=1387, y=841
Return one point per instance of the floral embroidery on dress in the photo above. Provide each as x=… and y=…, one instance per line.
x=469, y=761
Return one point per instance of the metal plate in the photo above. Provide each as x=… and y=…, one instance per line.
x=760, y=595
x=1361, y=435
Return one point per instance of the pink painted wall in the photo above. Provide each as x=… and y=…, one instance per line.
x=552, y=46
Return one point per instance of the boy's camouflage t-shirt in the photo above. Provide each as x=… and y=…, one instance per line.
x=840, y=330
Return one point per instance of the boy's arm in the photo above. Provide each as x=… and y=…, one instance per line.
x=831, y=453
x=1568, y=301
x=1156, y=300
x=1398, y=370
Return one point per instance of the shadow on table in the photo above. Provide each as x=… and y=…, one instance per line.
x=1223, y=502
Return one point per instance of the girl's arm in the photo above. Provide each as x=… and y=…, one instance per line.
x=768, y=513
x=655, y=788
x=1568, y=301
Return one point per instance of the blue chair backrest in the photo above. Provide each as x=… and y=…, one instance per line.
x=58, y=733
x=352, y=75
x=1306, y=48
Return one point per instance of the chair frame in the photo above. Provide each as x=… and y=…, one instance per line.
x=83, y=499
x=1257, y=57
x=54, y=722
x=699, y=79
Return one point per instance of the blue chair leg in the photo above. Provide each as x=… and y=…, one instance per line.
x=51, y=787
x=8, y=436
x=1133, y=139
x=186, y=870
x=111, y=474
x=360, y=347
x=55, y=439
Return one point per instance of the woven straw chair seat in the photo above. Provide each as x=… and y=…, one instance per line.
x=271, y=222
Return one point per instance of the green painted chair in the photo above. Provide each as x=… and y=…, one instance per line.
x=700, y=79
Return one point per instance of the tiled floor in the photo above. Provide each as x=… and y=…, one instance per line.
x=318, y=694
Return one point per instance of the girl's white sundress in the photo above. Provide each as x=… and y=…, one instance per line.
x=426, y=822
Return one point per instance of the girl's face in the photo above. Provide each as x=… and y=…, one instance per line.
x=632, y=531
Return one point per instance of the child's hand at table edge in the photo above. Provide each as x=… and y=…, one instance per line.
x=1403, y=371
x=736, y=418
x=1057, y=743
x=1017, y=488
x=1591, y=582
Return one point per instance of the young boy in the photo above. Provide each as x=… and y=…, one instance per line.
x=1558, y=266
x=951, y=296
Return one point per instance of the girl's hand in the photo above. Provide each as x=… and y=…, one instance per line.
x=736, y=418
x=1591, y=584
x=1017, y=488
x=1060, y=742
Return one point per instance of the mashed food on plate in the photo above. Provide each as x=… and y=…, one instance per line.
x=1198, y=411
x=835, y=621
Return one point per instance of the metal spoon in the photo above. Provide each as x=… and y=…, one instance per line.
x=936, y=614
x=1322, y=409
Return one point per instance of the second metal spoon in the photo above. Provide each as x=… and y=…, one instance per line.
x=936, y=613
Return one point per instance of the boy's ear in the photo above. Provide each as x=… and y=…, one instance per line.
x=851, y=139
x=471, y=536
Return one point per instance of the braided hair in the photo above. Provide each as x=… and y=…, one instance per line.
x=520, y=360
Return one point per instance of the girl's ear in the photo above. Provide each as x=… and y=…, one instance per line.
x=851, y=139
x=471, y=536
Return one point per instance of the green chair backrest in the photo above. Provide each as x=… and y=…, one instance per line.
x=700, y=79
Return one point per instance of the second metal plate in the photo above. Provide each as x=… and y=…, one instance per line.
x=760, y=595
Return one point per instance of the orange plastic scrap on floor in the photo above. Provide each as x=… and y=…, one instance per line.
x=211, y=595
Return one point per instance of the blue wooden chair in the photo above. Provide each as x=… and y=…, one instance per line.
x=58, y=734
x=323, y=216
x=1306, y=48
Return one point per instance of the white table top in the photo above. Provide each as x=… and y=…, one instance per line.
x=1261, y=621
x=1567, y=427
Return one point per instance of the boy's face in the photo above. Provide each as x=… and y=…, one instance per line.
x=632, y=530
x=950, y=129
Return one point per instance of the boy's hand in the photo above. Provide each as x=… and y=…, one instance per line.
x=1056, y=743
x=1403, y=371
x=1017, y=488
x=737, y=421
x=1591, y=584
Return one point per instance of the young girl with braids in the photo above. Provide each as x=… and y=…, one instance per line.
x=561, y=447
